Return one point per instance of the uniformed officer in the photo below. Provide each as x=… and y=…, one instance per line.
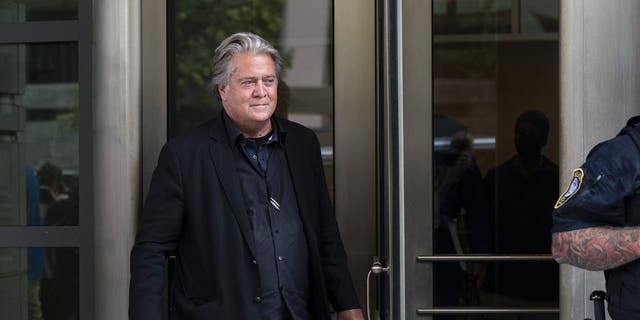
x=596, y=221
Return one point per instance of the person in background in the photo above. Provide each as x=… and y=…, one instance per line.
x=242, y=202
x=35, y=255
x=52, y=187
x=518, y=197
x=59, y=290
x=457, y=179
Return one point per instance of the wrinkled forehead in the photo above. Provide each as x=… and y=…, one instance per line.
x=249, y=64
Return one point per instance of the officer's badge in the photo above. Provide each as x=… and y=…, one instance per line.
x=574, y=186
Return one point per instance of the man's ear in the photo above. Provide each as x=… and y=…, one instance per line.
x=222, y=91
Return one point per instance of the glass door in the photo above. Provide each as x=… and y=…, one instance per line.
x=477, y=153
x=328, y=85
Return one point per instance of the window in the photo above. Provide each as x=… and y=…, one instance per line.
x=46, y=217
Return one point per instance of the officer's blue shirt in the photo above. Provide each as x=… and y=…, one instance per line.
x=598, y=190
x=272, y=209
x=604, y=192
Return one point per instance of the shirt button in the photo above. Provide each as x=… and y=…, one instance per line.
x=257, y=299
x=254, y=261
x=254, y=157
x=280, y=258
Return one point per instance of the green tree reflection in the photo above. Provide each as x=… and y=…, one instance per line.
x=200, y=25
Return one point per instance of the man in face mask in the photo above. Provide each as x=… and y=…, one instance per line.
x=531, y=132
x=517, y=199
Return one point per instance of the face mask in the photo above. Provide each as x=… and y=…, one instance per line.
x=528, y=146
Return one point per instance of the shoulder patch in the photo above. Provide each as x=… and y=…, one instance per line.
x=572, y=189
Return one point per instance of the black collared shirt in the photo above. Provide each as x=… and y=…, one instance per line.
x=272, y=209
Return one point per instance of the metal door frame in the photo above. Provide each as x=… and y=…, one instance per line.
x=415, y=138
x=356, y=115
x=414, y=108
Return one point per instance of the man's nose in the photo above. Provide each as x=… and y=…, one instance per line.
x=259, y=90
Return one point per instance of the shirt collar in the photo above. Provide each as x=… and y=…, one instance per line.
x=234, y=134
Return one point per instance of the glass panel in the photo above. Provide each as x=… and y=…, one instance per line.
x=39, y=283
x=301, y=31
x=496, y=284
x=39, y=134
x=471, y=16
x=539, y=16
x=38, y=10
x=495, y=153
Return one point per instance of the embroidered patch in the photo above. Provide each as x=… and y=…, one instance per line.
x=574, y=186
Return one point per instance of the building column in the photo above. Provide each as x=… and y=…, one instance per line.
x=117, y=127
x=599, y=81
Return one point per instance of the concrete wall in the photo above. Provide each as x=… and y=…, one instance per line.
x=599, y=82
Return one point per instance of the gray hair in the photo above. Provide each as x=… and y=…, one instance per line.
x=238, y=43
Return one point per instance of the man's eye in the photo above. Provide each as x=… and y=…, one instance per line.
x=247, y=83
x=269, y=81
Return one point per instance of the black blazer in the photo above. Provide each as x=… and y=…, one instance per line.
x=195, y=209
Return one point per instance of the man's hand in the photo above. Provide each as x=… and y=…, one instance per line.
x=353, y=314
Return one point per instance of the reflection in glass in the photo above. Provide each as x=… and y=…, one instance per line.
x=39, y=134
x=456, y=181
x=517, y=197
x=495, y=125
x=39, y=283
x=539, y=16
x=471, y=16
x=38, y=10
x=301, y=31
x=487, y=289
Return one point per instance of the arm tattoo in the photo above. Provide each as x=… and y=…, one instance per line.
x=597, y=248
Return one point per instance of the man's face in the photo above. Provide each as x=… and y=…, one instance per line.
x=252, y=93
x=528, y=140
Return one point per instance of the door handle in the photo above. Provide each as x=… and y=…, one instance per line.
x=376, y=268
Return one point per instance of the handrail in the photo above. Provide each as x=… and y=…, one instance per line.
x=432, y=311
x=487, y=258
x=472, y=257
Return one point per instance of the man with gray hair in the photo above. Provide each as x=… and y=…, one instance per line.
x=242, y=202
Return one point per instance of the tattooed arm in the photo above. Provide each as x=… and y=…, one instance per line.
x=597, y=248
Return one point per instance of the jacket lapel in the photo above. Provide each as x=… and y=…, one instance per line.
x=222, y=156
x=296, y=155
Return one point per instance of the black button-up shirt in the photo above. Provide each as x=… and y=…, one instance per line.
x=281, y=249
